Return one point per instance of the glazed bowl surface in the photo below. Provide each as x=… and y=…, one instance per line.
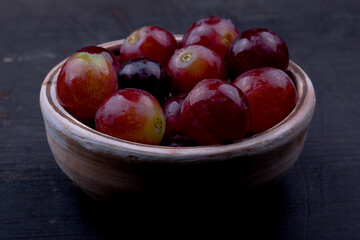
x=106, y=167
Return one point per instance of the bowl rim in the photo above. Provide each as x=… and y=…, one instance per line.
x=294, y=124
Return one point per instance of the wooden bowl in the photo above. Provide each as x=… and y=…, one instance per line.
x=106, y=167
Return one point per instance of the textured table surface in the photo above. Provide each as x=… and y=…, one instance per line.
x=318, y=199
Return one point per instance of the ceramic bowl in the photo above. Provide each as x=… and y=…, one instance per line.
x=106, y=167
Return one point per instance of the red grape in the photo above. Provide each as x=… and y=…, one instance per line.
x=84, y=81
x=151, y=42
x=215, y=33
x=271, y=94
x=215, y=112
x=132, y=114
x=191, y=64
x=256, y=47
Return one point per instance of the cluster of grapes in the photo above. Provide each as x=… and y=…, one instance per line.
x=215, y=86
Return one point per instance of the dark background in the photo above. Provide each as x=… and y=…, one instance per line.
x=318, y=199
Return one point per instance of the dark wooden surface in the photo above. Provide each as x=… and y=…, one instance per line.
x=318, y=199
